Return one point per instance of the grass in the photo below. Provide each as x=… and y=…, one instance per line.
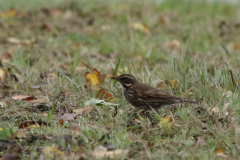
x=68, y=33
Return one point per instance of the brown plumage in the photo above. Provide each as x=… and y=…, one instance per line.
x=146, y=97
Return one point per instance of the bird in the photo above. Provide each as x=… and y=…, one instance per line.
x=143, y=96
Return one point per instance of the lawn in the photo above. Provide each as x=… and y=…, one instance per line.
x=57, y=100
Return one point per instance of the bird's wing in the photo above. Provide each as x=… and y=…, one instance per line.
x=158, y=93
x=153, y=93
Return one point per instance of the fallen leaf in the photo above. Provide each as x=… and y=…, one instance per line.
x=173, y=82
x=161, y=85
x=76, y=129
x=237, y=47
x=39, y=84
x=19, y=77
x=9, y=14
x=164, y=20
x=138, y=121
x=173, y=44
x=141, y=27
x=83, y=111
x=68, y=117
x=53, y=151
x=226, y=105
x=94, y=78
x=29, y=124
x=46, y=27
x=60, y=122
x=23, y=97
x=40, y=99
x=3, y=104
x=93, y=102
x=8, y=157
x=220, y=153
x=2, y=74
x=166, y=121
x=100, y=152
x=18, y=134
x=102, y=94
x=75, y=46
x=229, y=93
x=215, y=109
x=23, y=41
x=6, y=56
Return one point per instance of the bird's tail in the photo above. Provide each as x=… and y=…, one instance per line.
x=187, y=101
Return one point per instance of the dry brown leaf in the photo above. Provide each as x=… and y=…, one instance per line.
x=94, y=78
x=40, y=99
x=100, y=152
x=138, y=121
x=166, y=121
x=215, y=109
x=102, y=94
x=3, y=104
x=8, y=157
x=237, y=47
x=83, y=111
x=2, y=74
x=76, y=129
x=29, y=124
x=75, y=46
x=18, y=134
x=6, y=56
x=19, y=77
x=23, y=41
x=68, y=117
x=220, y=153
x=174, y=44
x=164, y=20
x=23, y=97
x=60, y=122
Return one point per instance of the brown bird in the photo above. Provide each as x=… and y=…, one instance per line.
x=145, y=97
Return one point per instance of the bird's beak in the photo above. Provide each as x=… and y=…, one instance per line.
x=116, y=78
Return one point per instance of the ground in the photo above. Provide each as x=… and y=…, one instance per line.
x=57, y=100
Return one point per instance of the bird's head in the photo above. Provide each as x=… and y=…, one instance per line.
x=127, y=80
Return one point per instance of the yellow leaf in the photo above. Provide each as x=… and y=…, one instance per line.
x=95, y=78
x=166, y=121
x=9, y=14
x=220, y=153
x=1, y=129
x=161, y=85
x=173, y=82
x=141, y=27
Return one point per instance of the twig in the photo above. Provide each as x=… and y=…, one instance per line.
x=233, y=82
x=225, y=49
